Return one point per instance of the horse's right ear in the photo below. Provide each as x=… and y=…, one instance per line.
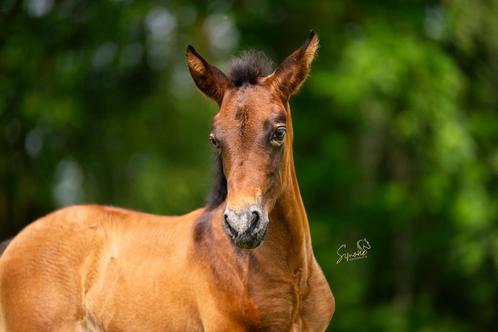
x=209, y=79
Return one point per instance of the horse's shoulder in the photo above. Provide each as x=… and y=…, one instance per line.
x=319, y=302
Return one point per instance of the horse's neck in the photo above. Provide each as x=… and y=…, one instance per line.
x=289, y=228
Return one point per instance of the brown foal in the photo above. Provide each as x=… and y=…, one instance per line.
x=243, y=262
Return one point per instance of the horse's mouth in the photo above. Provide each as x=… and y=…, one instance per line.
x=250, y=241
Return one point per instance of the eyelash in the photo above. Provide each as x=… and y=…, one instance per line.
x=213, y=140
x=278, y=135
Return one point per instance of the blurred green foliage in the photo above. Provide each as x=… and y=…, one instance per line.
x=396, y=133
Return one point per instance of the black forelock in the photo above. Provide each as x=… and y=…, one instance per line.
x=249, y=66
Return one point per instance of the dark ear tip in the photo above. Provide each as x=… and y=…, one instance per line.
x=190, y=49
x=312, y=35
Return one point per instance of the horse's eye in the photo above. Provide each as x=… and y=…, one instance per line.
x=213, y=140
x=278, y=135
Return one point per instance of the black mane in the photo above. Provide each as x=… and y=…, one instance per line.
x=248, y=67
x=218, y=192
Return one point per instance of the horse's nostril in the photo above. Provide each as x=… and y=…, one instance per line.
x=232, y=230
x=255, y=217
x=254, y=220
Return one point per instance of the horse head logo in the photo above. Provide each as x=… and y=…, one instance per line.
x=363, y=244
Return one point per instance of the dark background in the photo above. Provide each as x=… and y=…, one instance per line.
x=396, y=133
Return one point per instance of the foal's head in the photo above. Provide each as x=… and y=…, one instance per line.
x=251, y=132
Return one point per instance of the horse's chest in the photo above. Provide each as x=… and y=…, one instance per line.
x=272, y=306
x=291, y=304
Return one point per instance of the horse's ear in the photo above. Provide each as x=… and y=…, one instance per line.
x=209, y=79
x=294, y=70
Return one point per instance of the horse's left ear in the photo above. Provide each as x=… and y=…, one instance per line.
x=294, y=70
